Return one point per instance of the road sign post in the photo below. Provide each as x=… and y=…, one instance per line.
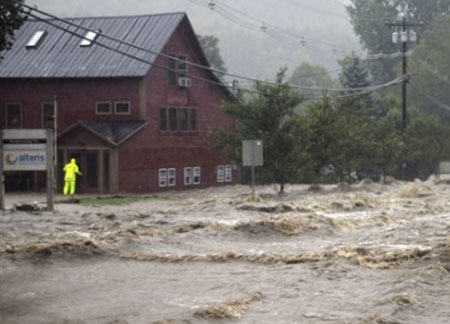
x=50, y=170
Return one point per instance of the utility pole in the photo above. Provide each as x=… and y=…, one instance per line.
x=402, y=35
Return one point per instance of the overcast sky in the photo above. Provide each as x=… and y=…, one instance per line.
x=246, y=50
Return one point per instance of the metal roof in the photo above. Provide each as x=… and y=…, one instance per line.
x=59, y=54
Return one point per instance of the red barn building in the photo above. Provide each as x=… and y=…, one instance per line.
x=136, y=121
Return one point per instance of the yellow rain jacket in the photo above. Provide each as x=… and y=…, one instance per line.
x=71, y=170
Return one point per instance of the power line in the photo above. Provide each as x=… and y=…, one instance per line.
x=431, y=70
x=188, y=62
x=432, y=99
x=220, y=84
x=257, y=24
x=320, y=11
x=261, y=24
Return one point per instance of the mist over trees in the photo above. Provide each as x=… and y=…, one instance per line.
x=210, y=45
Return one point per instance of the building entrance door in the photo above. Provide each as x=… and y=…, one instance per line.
x=89, y=167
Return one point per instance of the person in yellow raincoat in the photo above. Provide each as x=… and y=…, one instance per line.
x=70, y=177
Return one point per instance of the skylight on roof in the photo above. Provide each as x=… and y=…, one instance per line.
x=89, y=38
x=36, y=39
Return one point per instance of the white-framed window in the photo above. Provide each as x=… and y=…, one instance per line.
x=167, y=177
x=162, y=177
x=228, y=173
x=172, y=177
x=220, y=173
x=122, y=108
x=103, y=108
x=196, y=175
x=192, y=176
x=187, y=176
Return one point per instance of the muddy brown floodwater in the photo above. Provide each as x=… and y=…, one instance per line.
x=366, y=254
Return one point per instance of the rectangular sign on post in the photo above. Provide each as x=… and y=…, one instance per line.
x=24, y=157
x=252, y=153
x=27, y=150
x=24, y=134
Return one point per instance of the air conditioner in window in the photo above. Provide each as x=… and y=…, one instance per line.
x=184, y=82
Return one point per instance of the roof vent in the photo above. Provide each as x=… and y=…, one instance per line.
x=89, y=38
x=36, y=39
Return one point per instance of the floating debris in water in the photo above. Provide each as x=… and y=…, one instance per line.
x=74, y=248
x=229, y=309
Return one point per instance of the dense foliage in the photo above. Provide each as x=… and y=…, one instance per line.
x=269, y=116
x=10, y=20
x=342, y=133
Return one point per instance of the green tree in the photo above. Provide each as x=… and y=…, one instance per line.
x=322, y=135
x=355, y=76
x=269, y=116
x=426, y=143
x=10, y=20
x=337, y=137
x=385, y=145
x=210, y=45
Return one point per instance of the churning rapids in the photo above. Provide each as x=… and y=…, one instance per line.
x=365, y=254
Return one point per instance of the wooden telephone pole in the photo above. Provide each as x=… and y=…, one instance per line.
x=404, y=36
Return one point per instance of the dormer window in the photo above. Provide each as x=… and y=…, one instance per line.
x=36, y=39
x=89, y=38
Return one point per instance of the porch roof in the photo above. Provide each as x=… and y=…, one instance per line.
x=114, y=132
